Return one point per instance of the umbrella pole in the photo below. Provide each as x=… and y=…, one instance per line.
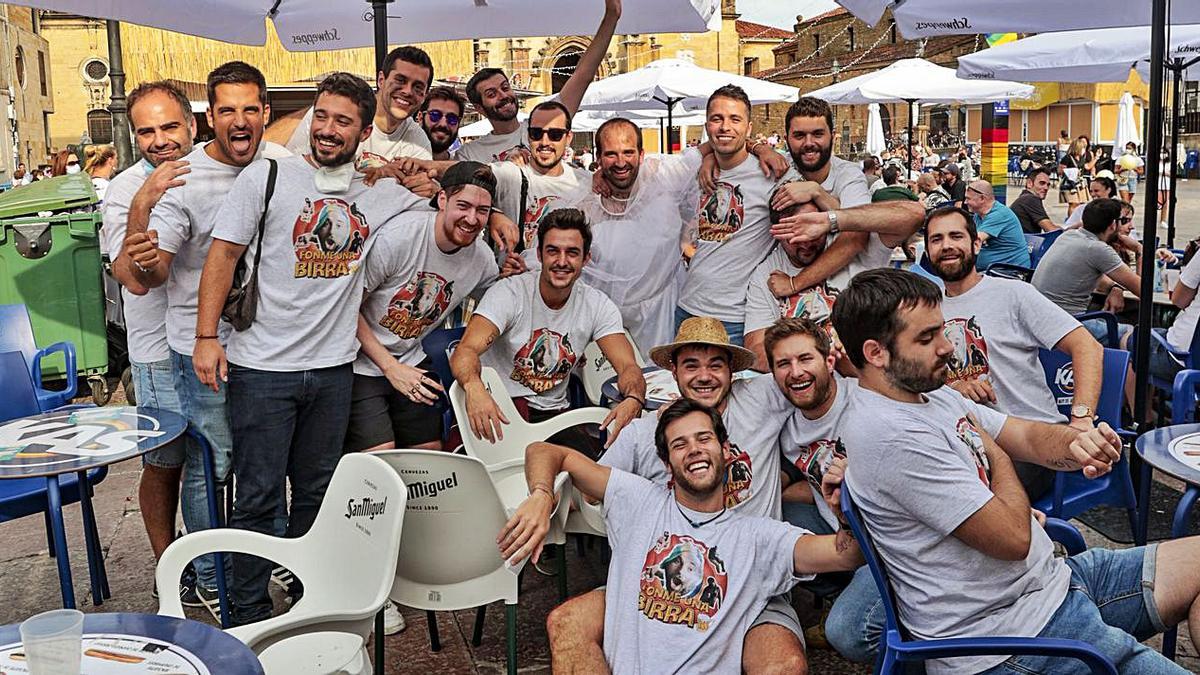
x=1177, y=82
x=1141, y=361
x=909, y=160
x=670, y=122
x=379, y=19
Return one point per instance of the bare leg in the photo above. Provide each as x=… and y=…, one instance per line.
x=576, y=630
x=158, y=497
x=1176, y=584
x=770, y=649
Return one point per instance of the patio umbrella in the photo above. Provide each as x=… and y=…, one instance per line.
x=918, y=81
x=876, y=145
x=666, y=83
x=1126, y=124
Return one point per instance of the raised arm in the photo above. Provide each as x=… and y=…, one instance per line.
x=484, y=415
x=894, y=222
x=589, y=63
x=630, y=382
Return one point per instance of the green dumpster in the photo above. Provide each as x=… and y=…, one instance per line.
x=50, y=261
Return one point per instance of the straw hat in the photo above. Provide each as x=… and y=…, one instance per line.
x=703, y=330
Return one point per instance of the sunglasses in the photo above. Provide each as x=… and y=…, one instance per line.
x=75, y=163
x=435, y=116
x=1126, y=220
x=556, y=135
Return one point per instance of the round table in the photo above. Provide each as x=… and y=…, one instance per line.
x=77, y=440
x=148, y=643
x=1175, y=451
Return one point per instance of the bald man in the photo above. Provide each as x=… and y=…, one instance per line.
x=999, y=228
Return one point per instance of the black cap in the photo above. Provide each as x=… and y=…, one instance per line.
x=464, y=173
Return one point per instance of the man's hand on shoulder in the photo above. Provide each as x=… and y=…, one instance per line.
x=979, y=391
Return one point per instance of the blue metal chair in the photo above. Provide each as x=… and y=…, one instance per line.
x=898, y=647
x=1009, y=271
x=1038, y=245
x=21, y=497
x=16, y=335
x=438, y=346
x=1073, y=493
x=1112, y=331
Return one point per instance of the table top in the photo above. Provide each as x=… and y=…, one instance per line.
x=1174, y=450
x=1160, y=298
x=130, y=644
x=85, y=438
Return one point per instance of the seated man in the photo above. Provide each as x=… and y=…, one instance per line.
x=792, y=209
x=703, y=362
x=533, y=328
x=1083, y=260
x=1000, y=232
x=947, y=513
x=1029, y=208
x=697, y=573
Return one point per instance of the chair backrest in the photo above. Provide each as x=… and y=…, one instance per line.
x=874, y=561
x=1060, y=377
x=517, y=433
x=597, y=370
x=16, y=332
x=454, y=514
x=1038, y=244
x=438, y=346
x=1183, y=396
x=19, y=399
x=355, y=536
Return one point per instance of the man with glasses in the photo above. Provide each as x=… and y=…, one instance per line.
x=1000, y=232
x=440, y=118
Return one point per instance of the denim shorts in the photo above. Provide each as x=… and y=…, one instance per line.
x=154, y=384
x=1110, y=606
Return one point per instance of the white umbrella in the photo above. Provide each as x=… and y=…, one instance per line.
x=876, y=144
x=925, y=18
x=1104, y=55
x=1126, y=125
x=322, y=25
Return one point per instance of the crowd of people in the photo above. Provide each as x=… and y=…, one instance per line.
x=354, y=232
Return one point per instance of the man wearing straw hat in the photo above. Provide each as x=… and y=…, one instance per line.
x=754, y=411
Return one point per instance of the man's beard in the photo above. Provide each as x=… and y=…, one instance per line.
x=495, y=114
x=699, y=490
x=820, y=392
x=347, y=154
x=439, y=147
x=967, y=263
x=826, y=153
x=913, y=377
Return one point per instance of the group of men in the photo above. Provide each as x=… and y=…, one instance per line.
x=358, y=233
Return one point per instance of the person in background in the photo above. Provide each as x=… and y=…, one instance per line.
x=953, y=183
x=1129, y=168
x=893, y=189
x=1000, y=232
x=932, y=194
x=100, y=164
x=1070, y=171
x=1164, y=185
x=872, y=172
x=1100, y=187
x=65, y=162
x=1029, y=207
x=1063, y=146
x=440, y=117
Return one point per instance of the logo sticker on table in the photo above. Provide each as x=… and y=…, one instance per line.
x=1186, y=449
x=116, y=654
x=73, y=436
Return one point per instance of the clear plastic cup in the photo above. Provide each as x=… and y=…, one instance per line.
x=53, y=642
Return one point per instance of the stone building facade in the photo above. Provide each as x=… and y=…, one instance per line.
x=26, y=91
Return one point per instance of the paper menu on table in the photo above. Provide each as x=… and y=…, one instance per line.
x=115, y=654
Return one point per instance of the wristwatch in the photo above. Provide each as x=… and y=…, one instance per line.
x=833, y=224
x=1083, y=411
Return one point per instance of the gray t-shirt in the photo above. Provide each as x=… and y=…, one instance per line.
x=145, y=315
x=997, y=328
x=681, y=598
x=184, y=221
x=542, y=192
x=812, y=445
x=917, y=472
x=407, y=140
x=734, y=235
x=412, y=285
x=814, y=302
x=1068, y=272
x=494, y=147
x=309, y=280
x=538, y=347
x=754, y=416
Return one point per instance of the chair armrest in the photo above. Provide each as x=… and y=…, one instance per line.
x=68, y=352
x=1065, y=533
x=261, y=635
x=983, y=646
x=1110, y=325
x=226, y=540
x=1184, y=390
x=571, y=418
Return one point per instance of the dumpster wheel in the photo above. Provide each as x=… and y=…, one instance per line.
x=101, y=392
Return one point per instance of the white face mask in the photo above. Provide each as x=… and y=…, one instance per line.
x=334, y=180
x=73, y=168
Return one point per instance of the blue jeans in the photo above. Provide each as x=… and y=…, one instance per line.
x=1099, y=330
x=855, y=622
x=207, y=413
x=154, y=384
x=1110, y=606
x=734, y=330
x=287, y=426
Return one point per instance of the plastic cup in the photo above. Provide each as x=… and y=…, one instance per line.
x=53, y=642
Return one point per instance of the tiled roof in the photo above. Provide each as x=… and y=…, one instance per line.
x=748, y=30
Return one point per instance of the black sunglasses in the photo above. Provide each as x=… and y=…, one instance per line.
x=435, y=116
x=556, y=135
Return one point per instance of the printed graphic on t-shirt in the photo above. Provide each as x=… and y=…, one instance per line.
x=970, y=357
x=328, y=236
x=545, y=360
x=814, y=302
x=416, y=306
x=969, y=434
x=533, y=217
x=683, y=582
x=370, y=160
x=739, y=476
x=505, y=155
x=721, y=212
x=814, y=460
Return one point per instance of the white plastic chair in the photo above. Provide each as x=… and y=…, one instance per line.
x=584, y=518
x=347, y=562
x=518, y=433
x=597, y=370
x=449, y=560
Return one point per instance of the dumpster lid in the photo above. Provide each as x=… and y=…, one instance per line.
x=50, y=194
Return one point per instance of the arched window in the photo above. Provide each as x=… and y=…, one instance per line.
x=100, y=126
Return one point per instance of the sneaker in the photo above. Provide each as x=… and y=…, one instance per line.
x=282, y=577
x=209, y=600
x=393, y=621
x=187, y=589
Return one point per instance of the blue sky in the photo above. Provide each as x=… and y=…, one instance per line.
x=781, y=14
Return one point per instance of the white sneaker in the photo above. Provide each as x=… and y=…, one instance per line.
x=393, y=622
